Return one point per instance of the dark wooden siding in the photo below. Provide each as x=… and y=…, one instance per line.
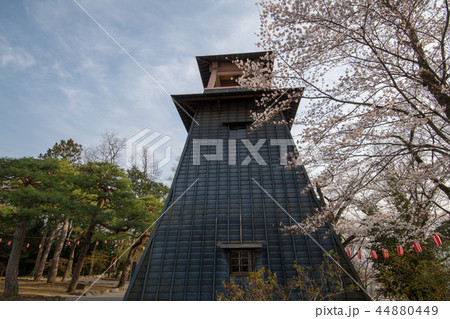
x=184, y=259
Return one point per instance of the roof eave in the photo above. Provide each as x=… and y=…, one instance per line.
x=186, y=104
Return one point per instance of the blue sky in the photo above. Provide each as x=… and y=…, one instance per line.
x=62, y=77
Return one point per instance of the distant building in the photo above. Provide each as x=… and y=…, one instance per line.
x=226, y=224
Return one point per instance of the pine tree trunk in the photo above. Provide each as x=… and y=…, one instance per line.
x=68, y=271
x=53, y=272
x=83, y=253
x=91, y=267
x=43, y=261
x=41, y=249
x=127, y=266
x=12, y=269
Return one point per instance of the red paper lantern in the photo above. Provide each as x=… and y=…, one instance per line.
x=400, y=250
x=68, y=243
x=359, y=254
x=96, y=244
x=9, y=243
x=28, y=245
x=436, y=240
x=385, y=253
x=106, y=241
x=349, y=254
x=78, y=242
x=374, y=254
x=417, y=247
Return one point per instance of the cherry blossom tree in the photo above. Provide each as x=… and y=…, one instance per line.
x=375, y=116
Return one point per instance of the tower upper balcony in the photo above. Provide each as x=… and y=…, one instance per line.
x=219, y=72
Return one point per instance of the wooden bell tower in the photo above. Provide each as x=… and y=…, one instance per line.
x=219, y=221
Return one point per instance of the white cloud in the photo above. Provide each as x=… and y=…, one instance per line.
x=84, y=83
x=15, y=57
x=179, y=75
x=77, y=101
